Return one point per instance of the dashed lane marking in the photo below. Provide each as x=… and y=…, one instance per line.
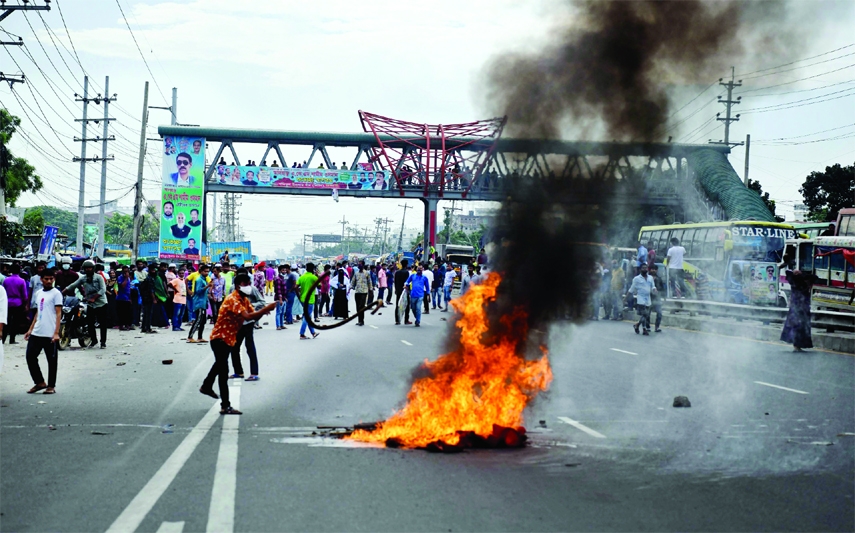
x=375, y=327
x=622, y=351
x=144, y=501
x=582, y=427
x=171, y=527
x=407, y=343
x=780, y=387
x=221, y=514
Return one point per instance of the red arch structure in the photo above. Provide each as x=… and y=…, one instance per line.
x=433, y=157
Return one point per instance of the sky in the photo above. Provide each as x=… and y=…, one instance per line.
x=309, y=66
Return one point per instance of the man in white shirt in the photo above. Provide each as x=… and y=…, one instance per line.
x=450, y=274
x=643, y=287
x=44, y=334
x=428, y=273
x=640, y=258
x=675, y=267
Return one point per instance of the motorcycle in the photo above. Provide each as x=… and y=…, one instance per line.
x=73, y=323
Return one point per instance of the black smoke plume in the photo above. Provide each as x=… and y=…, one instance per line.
x=607, y=76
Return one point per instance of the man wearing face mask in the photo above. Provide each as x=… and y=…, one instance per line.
x=236, y=310
x=65, y=276
x=94, y=290
x=643, y=288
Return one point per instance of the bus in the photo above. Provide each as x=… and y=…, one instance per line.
x=813, y=229
x=735, y=261
x=846, y=222
x=834, y=265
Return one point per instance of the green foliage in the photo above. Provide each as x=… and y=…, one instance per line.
x=11, y=237
x=34, y=221
x=756, y=187
x=119, y=228
x=825, y=193
x=18, y=175
x=66, y=221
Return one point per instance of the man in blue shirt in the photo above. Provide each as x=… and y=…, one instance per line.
x=419, y=286
x=641, y=258
x=643, y=287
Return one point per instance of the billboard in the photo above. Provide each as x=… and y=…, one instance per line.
x=47, y=243
x=239, y=251
x=326, y=237
x=181, y=199
x=302, y=178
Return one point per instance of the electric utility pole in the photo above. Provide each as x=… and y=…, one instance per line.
x=101, y=206
x=728, y=104
x=81, y=207
x=135, y=244
x=6, y=11
x=450, y=221
x=343, y=222
x=401, y=235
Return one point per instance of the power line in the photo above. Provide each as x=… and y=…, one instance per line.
x=801, y=100
x=742, y=75
x=800, y=90
x=761, y=110
x=800, y=79
x=806, y=134
x=139, y=50
x=797, y=68
x=70, y=41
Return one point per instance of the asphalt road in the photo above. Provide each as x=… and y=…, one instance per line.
x=766, y=446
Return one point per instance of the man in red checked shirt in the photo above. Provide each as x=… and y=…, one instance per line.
x=236, y=310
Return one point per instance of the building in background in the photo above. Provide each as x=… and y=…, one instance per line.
x=473, y=220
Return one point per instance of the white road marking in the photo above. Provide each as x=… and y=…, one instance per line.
x=221, y=514
x=622, y=351
x=375, y=327
x=581, y=426
x=136, y=511
x=780, y=387
x=171, y=527
x=407, y=343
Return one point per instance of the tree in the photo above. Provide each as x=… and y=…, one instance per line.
x=66, y=221
x=825, y=193
x=34, y=221
x=119, y=228
x=755, y=186
x=16, y=174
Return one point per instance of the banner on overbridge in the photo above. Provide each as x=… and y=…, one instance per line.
x=181, y=198
x=302, y=178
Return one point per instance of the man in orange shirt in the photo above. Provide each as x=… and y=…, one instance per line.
x=234, y=311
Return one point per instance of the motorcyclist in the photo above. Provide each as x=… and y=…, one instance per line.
x=65, y=276
x=94, y=290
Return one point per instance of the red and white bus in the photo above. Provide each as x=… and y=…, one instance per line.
x=834, y=265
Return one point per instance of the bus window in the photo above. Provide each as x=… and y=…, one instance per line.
x=805, y=256
x=698, y=242
x=710, y=242
x=686, y=241
x=820, y=265
x=846, y=226
x=678, y=234
x=837, y=263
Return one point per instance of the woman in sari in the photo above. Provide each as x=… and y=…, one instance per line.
x=797, y=326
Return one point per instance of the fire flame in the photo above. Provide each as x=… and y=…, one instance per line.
x=471, y=388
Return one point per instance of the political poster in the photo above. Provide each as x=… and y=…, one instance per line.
x=181, y=198
x=763, y=283
x=303, y=178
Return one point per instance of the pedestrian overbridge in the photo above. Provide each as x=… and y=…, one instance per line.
x=689, y=178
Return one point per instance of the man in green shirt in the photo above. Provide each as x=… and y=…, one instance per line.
x=229, y=274
x=305, y=283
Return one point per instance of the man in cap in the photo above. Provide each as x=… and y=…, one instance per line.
x=94, y=290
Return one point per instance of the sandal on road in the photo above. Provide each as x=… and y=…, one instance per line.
x=236, y=376
x=230, y=411
x=252, y=378
x=50, y=390
x=36, y=388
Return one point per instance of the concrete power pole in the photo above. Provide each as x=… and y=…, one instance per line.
x=728, y=104
x=450, y=222
x=81, y=197
x=401, y=235
x=747, y=151
x=138, y=196
x=343, y=223
x=103, y=200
